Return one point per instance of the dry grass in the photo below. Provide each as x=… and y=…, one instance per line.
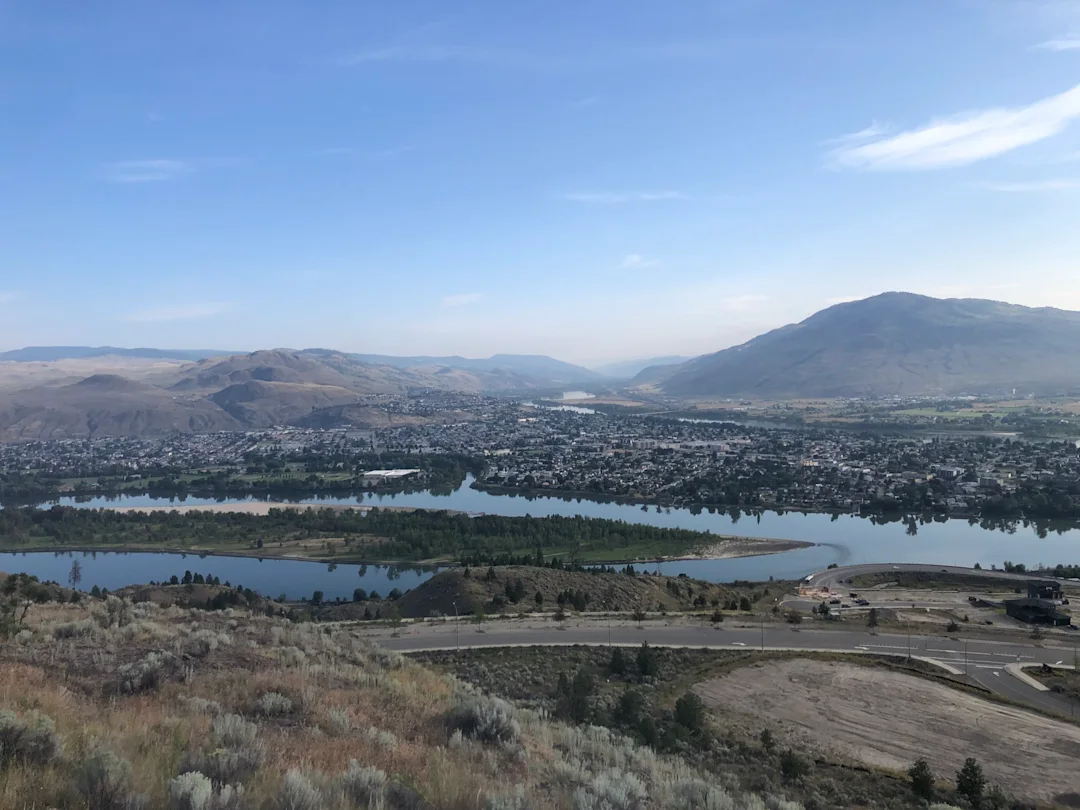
x=352, y=709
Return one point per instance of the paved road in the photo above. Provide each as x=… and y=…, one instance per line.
x=983, y=660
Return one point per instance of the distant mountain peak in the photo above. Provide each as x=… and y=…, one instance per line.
x=893, y=343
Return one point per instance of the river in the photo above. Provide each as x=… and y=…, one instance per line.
x=842, y=539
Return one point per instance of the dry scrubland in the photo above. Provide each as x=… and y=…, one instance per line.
x=110, y=705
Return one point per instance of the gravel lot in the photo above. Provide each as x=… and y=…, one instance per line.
x=889, y=719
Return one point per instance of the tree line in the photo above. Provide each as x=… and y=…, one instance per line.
x=417, y=535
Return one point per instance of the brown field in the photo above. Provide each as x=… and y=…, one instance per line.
x=888, y=719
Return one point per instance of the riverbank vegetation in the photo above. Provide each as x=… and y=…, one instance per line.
x=343, y=534
x=117, y=706
x=264, y=475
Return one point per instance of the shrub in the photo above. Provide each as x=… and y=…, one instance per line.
x=80, y=629
x=793, y=617
x=225, y=766
x=611, y=790
x=28, y=740
x=274, y=704
x=507, y=801
x=952, y=627
x=486, y=719
x=338, y=722
x=768, y=741
x=382, y=738
x=792, y=766
x=104, y=781
x=198, y=705
x=144, y=674
x=231, y=730
x=297, y=793
x=366, y=787
x=190, y=791
x=696, y=794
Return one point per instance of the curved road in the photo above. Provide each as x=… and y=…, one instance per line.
x=984, y=661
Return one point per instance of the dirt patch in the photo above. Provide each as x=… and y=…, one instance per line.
x=889, y=720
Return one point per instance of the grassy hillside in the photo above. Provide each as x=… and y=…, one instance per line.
x=495, y=589
x=116, y=706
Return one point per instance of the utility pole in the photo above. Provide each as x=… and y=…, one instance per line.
x=909, y=647
x=763, y=634
x=965, y=657
x=457, y=628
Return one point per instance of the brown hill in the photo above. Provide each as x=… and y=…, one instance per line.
x=603, y=591
x=263, y=404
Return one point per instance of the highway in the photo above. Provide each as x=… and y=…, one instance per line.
x=983, y=660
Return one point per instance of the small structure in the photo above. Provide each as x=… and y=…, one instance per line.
x=1045, y=589
x=1037, y=611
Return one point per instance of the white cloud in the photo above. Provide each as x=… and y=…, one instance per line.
x=181, y=312
x=634, y=261
x=1064, y=44
x=1057, y=184
x=146, y=171
x=462, y=299
x=961, y=139
x=611, y=197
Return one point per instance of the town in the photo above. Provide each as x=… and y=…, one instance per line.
x=649, y=459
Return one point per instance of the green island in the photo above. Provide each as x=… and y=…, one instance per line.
x=353, y=535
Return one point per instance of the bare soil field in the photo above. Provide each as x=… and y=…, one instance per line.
x=889, y=720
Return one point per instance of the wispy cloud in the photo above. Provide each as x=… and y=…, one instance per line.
x=1064, y=44
x=181, y=312
x=434, y=54
x=635, y=261
x=842, y=299
x=462, y=299
x=961, y=139
x=612, y=197
x=1056, y=184
x=6, y=296
x=147, y=171
x=744, y=303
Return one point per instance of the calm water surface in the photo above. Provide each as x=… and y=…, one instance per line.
x=843, y=540
x=294, y=578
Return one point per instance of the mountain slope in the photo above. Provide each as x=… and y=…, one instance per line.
x=894, y=343
x=48, y=354
x=540, y=369
x=627, y=369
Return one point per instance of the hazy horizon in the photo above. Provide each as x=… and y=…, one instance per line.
x=597, y=182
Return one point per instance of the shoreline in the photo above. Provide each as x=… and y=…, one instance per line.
x=739, y=547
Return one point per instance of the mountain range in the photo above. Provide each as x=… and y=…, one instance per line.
x=893, y=343
x=266, y=388
x=626, y=369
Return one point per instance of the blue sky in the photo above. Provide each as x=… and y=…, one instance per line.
x=595, y=179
